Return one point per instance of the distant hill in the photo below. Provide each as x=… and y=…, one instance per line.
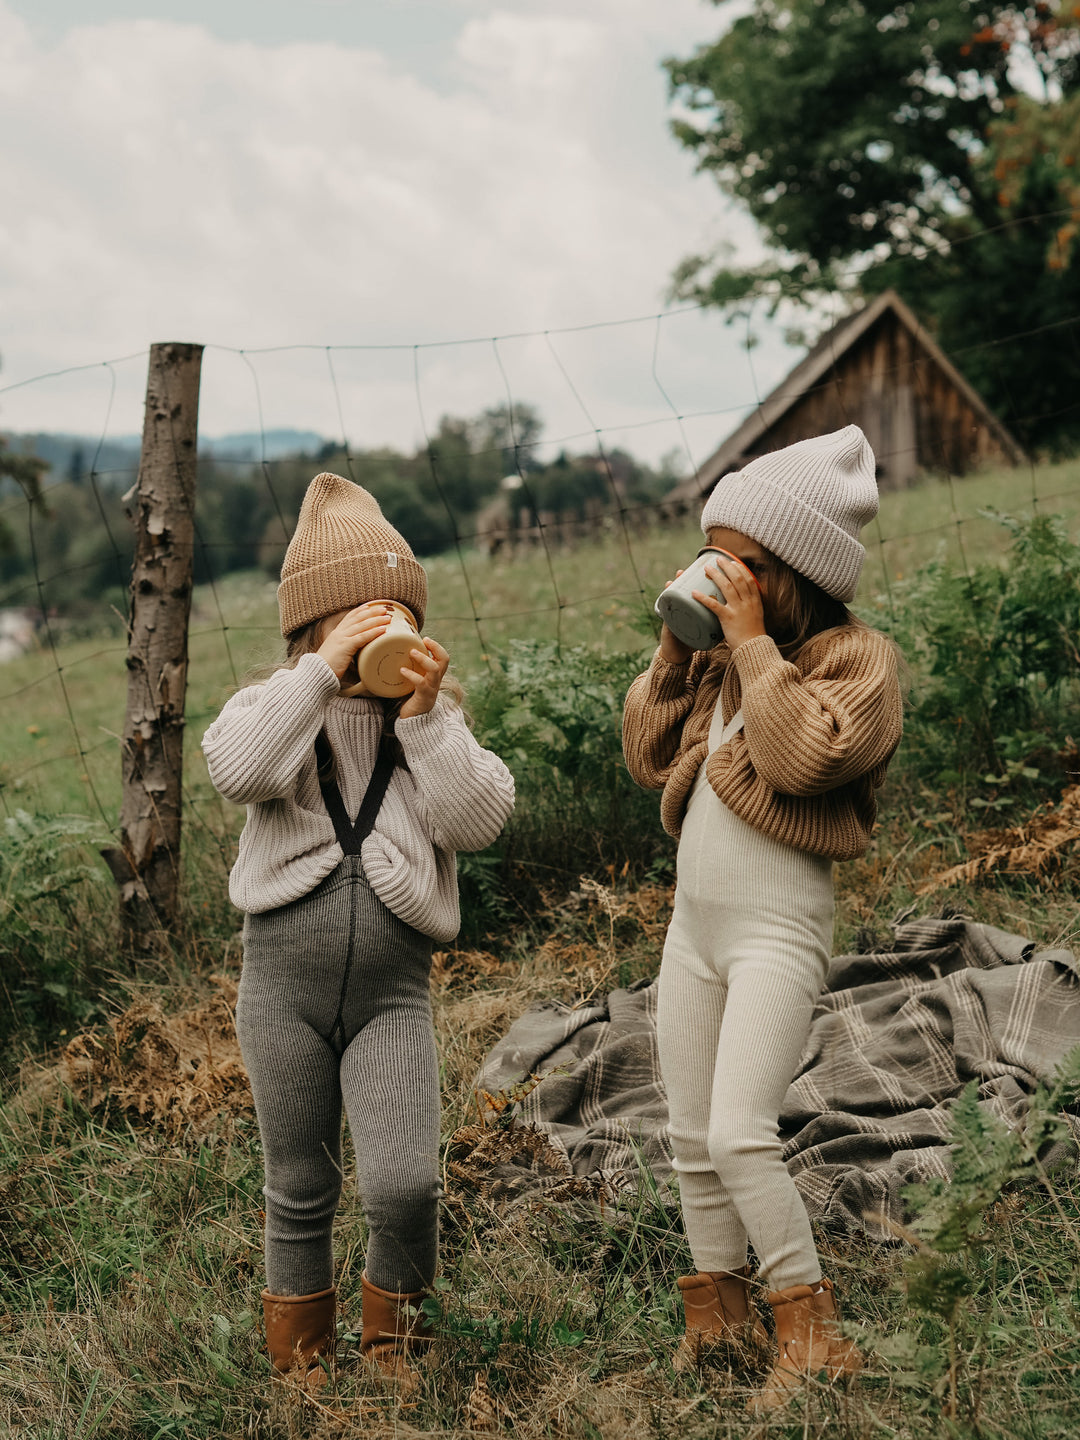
x=250, y=445
x=73, y=455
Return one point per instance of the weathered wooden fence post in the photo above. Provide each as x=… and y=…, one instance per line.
x=146, y=866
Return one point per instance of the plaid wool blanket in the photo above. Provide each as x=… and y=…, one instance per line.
x=895, y=1038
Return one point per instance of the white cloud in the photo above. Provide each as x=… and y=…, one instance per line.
x=168, y=184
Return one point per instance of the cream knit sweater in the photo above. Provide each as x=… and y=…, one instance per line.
x=818, y=735
x=454, y=795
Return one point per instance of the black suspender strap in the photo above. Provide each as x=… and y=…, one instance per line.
x=351, y=834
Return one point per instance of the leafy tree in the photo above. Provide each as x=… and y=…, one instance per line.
x=468, y=458
x=512, y=433
x=26, y=471
x=889, y=142
x=244, y=515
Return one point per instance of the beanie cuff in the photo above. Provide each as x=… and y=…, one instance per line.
x=791, y=530
x=347, y=581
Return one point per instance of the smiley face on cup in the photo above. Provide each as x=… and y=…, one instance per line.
x=380, y=663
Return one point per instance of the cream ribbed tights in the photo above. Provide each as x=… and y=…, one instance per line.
x=744, y=961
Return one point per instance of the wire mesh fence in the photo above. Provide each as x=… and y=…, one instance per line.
x=590, y=578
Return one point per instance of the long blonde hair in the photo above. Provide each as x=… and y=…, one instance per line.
x=797, y=609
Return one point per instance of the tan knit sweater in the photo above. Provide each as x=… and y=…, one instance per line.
x=453, y=795
x=818, y=735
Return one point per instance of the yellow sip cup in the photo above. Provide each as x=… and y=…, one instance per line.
x=380, y=663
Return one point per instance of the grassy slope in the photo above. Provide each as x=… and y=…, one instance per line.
x=47, y=718
x=129, y=1262
x=131, y=1270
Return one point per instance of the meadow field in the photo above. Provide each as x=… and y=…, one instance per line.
x=130, y=1201
x=605, y=591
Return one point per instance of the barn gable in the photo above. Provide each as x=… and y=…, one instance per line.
x=878, y=369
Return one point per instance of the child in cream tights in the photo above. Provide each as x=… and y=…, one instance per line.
x=769, y=750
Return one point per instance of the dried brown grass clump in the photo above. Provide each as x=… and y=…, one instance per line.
x=1036, y=848
x=504, y=1160
x=485, y=1413
x=651, y=906
x=450, y=968
x=179, y=1072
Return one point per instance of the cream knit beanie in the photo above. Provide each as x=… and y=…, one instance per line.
x=805, y=503
x=345, y=553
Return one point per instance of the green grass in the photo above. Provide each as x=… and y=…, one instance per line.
x=130, y=1269
x=130, y=1258
x=61, y=714
x=60, y=750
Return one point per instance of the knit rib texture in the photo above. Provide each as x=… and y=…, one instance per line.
x=451, y=795
x=806, y=503
x=819, y=733
x=334, y=1007
x=744, y=961
x=343, y=553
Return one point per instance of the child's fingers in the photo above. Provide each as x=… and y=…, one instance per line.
x=732, y=581
x=720, y=580
x=366, y=615
x=709, y=601
x=372, y=624
x=356, y=624
x=428, y=669
x=740, y=578
x=741, y=616
x=357, y=639
x=368, y=611
x=426, y=683
x=432, y=657
x=433, y=668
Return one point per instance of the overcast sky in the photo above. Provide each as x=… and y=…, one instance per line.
x=257, y=173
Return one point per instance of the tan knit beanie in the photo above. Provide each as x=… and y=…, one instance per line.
x=805, y=503
x=345, y=553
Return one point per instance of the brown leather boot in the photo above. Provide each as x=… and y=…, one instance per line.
x=299, y=1330
x=808, y=1342
x=719, y=1312
x=393, y=1328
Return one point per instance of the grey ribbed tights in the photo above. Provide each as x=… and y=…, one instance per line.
x=334, y=1005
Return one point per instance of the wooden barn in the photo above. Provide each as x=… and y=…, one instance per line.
x=878, y=369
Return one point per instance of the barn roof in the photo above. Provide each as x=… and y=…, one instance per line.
x=813, y=370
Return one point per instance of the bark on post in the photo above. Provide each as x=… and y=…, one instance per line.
x=161, y=505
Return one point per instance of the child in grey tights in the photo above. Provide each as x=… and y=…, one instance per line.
x=346, y=874
x=769, y=749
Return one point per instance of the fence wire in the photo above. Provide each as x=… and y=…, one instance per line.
x=59, y=662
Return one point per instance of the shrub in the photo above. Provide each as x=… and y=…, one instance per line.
x=556, y=719
x=994, y=658
x=52, y=922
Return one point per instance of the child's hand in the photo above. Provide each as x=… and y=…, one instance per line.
x=427, y=675
x=353, y=631
x=671, y=648
x=742, y=617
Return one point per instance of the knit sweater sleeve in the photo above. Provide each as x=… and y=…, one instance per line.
x=808, y=733
x=654, y=713
x=256, y=746
x=465, y=794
